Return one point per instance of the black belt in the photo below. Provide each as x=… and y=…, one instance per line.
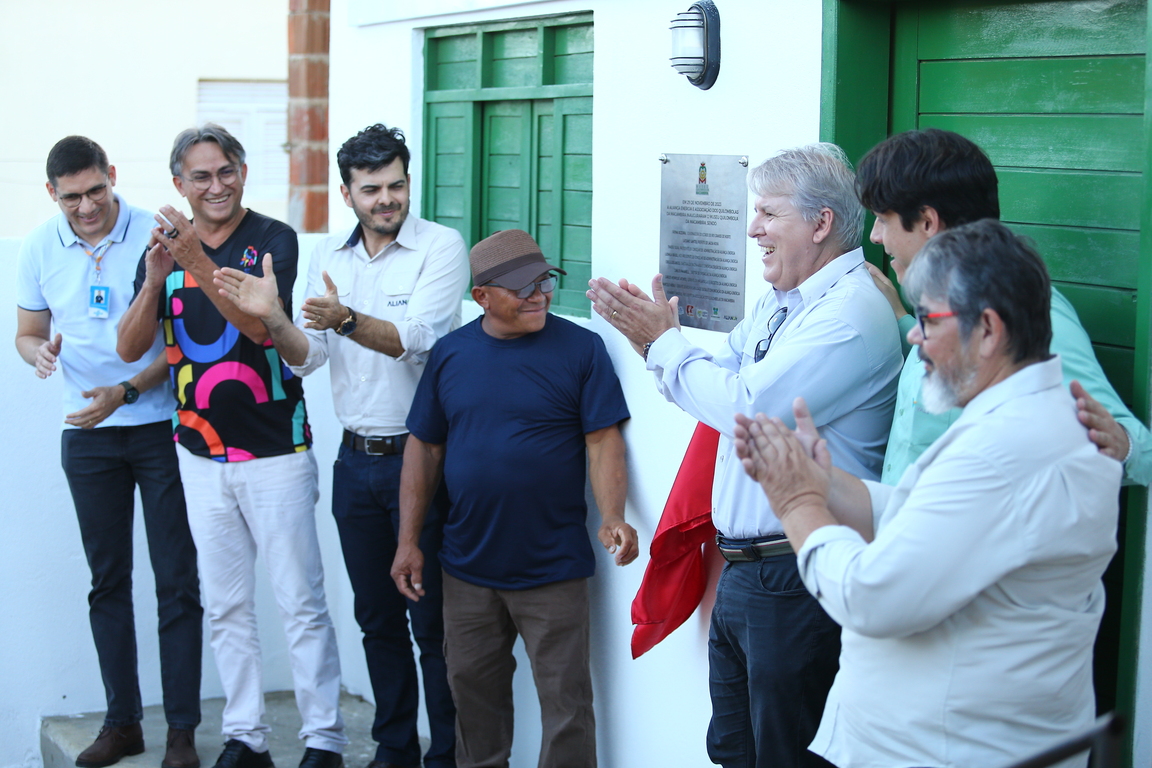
x=753, y=550
x=376, y=446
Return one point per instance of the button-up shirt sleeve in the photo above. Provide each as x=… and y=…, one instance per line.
x=1071, y=342
x=950, y=541
x=824, y=359
x=317, y=340
x=435, y=300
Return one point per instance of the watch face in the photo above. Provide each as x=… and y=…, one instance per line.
x=131, y=394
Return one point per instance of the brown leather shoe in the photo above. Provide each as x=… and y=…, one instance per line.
x=113, y=743
x=181, y=752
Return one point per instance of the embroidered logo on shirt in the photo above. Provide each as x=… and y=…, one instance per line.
x=248, y=260
x=398, y=302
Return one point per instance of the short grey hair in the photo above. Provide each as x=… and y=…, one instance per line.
x=984, y=265
x=228, y=143
x=815, y=177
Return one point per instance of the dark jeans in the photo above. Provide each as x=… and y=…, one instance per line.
x=772, y=655
x=366, y=505
x=103, y=466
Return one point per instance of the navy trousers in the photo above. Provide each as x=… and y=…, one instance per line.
x=772, y=655
x=366, y=505
x=104, y=466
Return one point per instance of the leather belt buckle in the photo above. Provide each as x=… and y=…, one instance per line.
x=379, y=446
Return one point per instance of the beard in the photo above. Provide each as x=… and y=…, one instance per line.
x=942, y=391
x=392, y=227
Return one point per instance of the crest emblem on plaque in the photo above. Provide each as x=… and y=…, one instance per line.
x=702, y=184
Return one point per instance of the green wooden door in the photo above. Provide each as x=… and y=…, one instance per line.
x=1054, y=94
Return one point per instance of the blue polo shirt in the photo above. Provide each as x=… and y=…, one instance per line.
x=56, y=272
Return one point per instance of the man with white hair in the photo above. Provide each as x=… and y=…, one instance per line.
x=970, y=593
x=825, y=332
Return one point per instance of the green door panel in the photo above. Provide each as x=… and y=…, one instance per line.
x=513, y=60
x=1092, y=256
x=1083, y=142
x=1084, y=85
x=453, y=62
x=960, y=30
x=572, y=163
x=572, y=51
x=451, y=166
x=507, y=166
x=1071, y=198
x=1107, y=314
x=1118, y=363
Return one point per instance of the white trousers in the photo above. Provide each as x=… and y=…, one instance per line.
x=235, y=509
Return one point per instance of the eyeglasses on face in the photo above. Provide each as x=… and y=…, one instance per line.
x=921, y=316
x=202, y=180
x=96, y=195
x=774, y=324
x=547, y=285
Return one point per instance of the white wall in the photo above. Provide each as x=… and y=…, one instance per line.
x=652, y=711
x=124, y=73
x=47, y=659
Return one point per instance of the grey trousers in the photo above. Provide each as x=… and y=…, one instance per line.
x=480, y=628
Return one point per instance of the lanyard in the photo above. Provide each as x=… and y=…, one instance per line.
x=97, y=254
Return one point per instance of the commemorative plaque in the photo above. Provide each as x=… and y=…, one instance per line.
x=703, y=204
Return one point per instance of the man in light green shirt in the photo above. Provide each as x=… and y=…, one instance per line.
x=922, y=182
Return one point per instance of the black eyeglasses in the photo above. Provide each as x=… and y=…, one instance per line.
x=96, y=195
x=202, y=181
x=547, y=285
x=921, y=316
x=774, y=324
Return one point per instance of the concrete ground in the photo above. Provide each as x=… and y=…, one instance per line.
x=63, y=738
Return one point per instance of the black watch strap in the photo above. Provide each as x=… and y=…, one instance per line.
x=348, y=325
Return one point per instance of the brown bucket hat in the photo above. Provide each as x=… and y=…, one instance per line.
x=510, y=258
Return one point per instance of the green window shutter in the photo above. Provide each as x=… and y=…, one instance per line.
x=450, y=169
x=508, y=126
x=572, y=207
x=507, y=162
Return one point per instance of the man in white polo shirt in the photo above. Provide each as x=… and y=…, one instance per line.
x=76, y=271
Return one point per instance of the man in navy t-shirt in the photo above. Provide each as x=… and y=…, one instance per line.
x=512, y=408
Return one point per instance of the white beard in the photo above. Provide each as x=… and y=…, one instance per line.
x=940, y=393
x=936, y=396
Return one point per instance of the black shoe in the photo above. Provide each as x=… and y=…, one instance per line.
x=321, y=758
x=237, y=754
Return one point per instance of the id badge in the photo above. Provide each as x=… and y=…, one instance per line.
x=98, y=301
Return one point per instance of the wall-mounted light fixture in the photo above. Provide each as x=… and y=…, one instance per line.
x=696, y=44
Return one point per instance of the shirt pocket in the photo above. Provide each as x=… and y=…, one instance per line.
x=395, y=290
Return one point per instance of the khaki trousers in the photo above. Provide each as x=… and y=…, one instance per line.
x=480, y=628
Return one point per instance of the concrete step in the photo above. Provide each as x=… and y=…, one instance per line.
x=63, y=738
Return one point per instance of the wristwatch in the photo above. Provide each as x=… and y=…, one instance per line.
x=348, y=326
x=131, y=394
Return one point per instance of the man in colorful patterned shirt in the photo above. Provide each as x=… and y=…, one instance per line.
x=243, y=443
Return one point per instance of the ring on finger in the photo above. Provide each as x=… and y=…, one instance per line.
x=612, y=317
x=172, y=233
